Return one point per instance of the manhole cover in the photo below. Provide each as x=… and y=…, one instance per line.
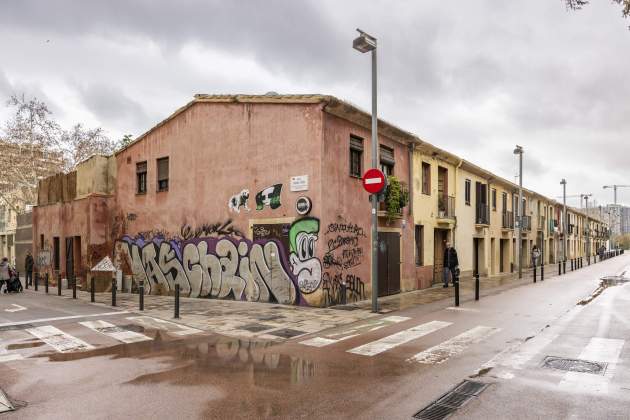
x=575, y=365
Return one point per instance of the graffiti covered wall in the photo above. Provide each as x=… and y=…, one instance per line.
x=216, y=261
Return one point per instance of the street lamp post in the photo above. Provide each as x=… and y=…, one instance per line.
x=365, y=43
x=588, y=228
x=519, y=249
x=564, y=220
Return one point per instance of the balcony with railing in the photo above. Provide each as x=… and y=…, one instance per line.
x=552, y=226
x=526, y=223
x=482, y=214
x=542, y=222
x=507, y=220
x=446, y=209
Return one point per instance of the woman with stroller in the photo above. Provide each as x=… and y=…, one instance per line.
x=5, y=274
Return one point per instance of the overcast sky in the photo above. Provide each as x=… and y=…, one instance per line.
x=472, y=77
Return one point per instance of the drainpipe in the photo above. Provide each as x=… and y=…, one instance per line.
x=459, y=165
x=412, y=147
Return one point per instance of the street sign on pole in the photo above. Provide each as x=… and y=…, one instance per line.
x=373, y=181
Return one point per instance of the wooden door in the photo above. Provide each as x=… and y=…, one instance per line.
x=388, y=263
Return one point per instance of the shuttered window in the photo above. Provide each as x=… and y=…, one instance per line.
x=162, y=174
x=426, y=178
x=141, y=177
x=356, y=156
x=386, y=156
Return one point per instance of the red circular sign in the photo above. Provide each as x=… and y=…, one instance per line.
x=373, y=181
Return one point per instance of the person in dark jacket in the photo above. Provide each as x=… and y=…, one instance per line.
x=450, y=262
x=29, y=263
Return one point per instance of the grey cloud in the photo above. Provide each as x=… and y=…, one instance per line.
x=113, y=107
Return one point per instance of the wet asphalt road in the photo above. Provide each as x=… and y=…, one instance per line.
x=420, y=353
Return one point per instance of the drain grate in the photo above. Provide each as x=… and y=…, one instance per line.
x=434, y=412
x=575, y=365
x=471, y=388
x=448, y=403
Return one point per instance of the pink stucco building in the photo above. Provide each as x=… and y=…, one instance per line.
x=216, y=198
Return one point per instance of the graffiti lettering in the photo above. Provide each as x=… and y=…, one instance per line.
x=344, y=253
x=216, y=229
x=224, y=268
x=349, y=228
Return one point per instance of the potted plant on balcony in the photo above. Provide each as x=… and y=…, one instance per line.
x=396, y=198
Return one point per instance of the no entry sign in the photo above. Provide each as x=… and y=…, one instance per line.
x=373, y=181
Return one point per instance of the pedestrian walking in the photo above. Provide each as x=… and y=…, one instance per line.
x=535, y=255
x=5, y=274
x=451, y=264
x=29, y=263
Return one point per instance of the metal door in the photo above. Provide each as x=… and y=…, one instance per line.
x=69, y=258
x=388, y=263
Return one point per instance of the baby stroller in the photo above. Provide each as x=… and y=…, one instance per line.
x=13, y=284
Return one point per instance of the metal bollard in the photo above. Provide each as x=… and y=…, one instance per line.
x=559, y=268
x=589, y=260
x=177, y=301
x=92, y=291
x=74, y=287
x=542, y=272
x=534, y=274
x=59, y=284
x=343, y=294
x=141, y=293
x=36, y=281
x=564, y=267
x=114, y=292
x=26, y=279
x=477, y=286
x=46, y=283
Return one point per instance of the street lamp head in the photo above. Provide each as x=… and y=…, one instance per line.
x=563, y=182
x=364, y=42
x=518, y=150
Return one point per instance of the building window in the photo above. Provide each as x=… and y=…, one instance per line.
x=41, y=241
x=504, y=202
x=426, y=178
x=419, y=247
x=494, y=199
x=387, y=160
x=141, y=177
x=56, y=251
x=467, y=192
x=162, y=174
x=356, y=156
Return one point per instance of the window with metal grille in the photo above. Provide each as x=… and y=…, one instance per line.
x=162, y=174
x=419, y=234
x=356, y=156
x=141, y=177
x=494, y=199
x=426, y=178
x=386, y=157
x=467, y=192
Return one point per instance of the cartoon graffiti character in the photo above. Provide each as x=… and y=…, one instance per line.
x=270, y=196
x=306, y=267
x=239, y=200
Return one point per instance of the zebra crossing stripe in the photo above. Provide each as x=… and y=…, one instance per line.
x=10, y=357
x=58, y=339
x=371, y=325
x=399, y=338
x=442, y=352
x=598, y=349
x=115, y=332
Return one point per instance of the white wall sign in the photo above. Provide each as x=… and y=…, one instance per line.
x=299, y=183
x=105, y=265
